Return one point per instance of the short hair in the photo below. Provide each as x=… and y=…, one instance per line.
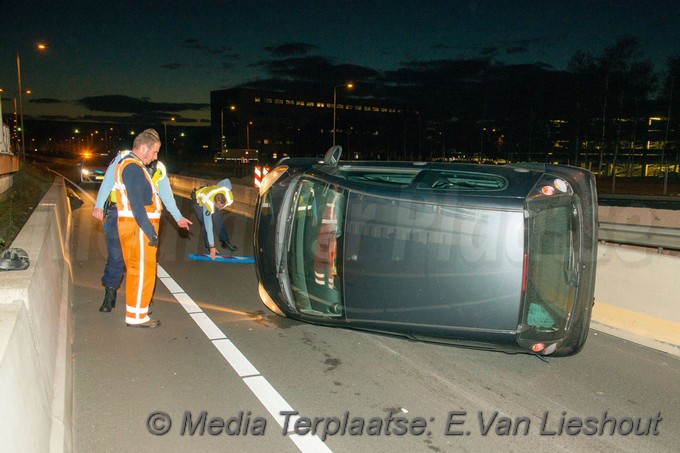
x=220, y=198
x=147, y=137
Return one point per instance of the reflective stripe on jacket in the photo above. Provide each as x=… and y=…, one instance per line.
x=205, y=196
x=153, y=211
x=121, y=155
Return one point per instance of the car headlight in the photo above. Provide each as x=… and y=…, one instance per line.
x=268, y=302
x=271, y=178
x=85, y=171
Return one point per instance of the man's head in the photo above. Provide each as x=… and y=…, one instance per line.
x=220, y=201
x=146, y=146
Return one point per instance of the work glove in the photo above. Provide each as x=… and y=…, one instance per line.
x=154, y=241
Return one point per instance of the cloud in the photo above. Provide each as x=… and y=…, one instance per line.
x=440, y=47
x=515, y=50
x=291, y=48
x=230, y=60
x=126, y=104
x=489, y=51
x=172, y=66
x=492, y=48
x=316, y=69
x=147, y=118
x=194, y=44
x=45, y=101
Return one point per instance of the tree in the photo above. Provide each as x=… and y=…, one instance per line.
x=613, y=66
x=581, y=66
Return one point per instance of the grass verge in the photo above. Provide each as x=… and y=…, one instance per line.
x=17, y=204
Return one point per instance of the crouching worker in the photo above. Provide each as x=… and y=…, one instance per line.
x=208, y=204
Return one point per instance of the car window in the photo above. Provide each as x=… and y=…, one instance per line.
x=97, y=161
x=315, y=248
x=378, y=177
x=552, y=263
x=459, y=180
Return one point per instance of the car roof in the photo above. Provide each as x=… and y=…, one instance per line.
x=499, y=186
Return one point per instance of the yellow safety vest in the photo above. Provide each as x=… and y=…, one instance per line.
x=205, y=196
x=153, y=211
x=157, y=176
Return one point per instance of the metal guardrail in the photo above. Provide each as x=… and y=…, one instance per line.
x=643, y=235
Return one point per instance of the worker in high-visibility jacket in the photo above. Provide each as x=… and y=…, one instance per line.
x=208, y=204
x=105, y=210
x=139, y=213
x=325, y=266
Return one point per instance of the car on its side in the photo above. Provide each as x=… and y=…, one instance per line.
x=497, y=257
x=93, y=167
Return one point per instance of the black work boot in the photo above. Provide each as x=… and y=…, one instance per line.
x=109, y=300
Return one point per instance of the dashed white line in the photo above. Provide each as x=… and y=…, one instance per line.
x=258, y=384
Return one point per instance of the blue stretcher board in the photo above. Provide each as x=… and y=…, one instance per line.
x=223, y=258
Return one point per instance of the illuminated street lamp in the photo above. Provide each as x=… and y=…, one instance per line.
x=335, y=103
x=250, y=123
x=41, y=47
x=222, y=143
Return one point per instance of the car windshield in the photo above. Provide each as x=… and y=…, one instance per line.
x=97, y=161
x=551, y=267
x=315, y=249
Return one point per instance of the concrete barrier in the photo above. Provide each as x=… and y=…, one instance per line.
x=637, y=294
x=9, y=164
x=36, y=390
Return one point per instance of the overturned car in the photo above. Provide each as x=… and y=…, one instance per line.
x=485, y=256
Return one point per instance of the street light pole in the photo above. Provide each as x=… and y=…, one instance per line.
x=335, y=103
x=165, y=136
x=248, y=134
x=222, y=129
x=21, y=107
x=40, y=46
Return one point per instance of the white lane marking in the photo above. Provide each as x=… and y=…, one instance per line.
x=207, y=326
x=172, y=286
x=275, y=404
x=270, y=398
x=236, y=359
x=160, y=272
x=187, y=302
x=258, y=384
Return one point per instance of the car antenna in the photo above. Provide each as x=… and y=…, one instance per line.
x=332, y=156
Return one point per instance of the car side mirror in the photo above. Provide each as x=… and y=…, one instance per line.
x=332, y=156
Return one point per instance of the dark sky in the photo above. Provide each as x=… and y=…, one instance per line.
x=128, y=57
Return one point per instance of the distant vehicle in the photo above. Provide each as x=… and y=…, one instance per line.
x=236, y=155
x=497, y=257
x=93, y=167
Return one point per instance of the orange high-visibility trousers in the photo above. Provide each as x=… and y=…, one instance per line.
x=140, y=261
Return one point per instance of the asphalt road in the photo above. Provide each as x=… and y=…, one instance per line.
x=221, y=367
